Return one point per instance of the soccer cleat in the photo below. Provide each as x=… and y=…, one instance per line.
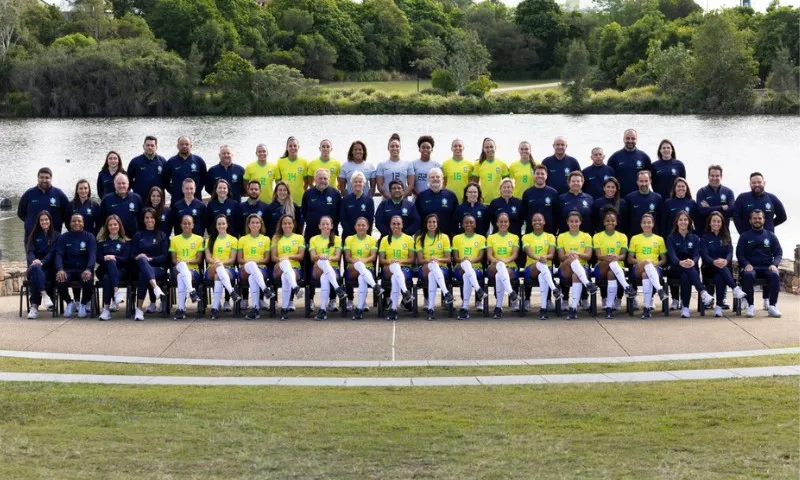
x=543, y=314
x=591, y=289
x=717, y=311
x=515, y=305
x=738, y=292
x=463, y=314
x=214, y=314
x=180, y=314
x=82, y=311
x=33, y=313
x=646, y=313
x=106, y=315
x=431, y=316
x=685, y=313
x=297, y=292
x=341, y=293
x=226, y=305
x=70, y=309
x=333, y=305
x=254, y=314
x=609, y=313
x=676, y=304
x=662, y=294
x=139, y=315
x=498, y=313
x=707, y=299
x=479, y=294
x=268, y=293
x=358, y=314
x=392, y=315
x=572, y=314
x=194, y=296
x=448, y=299
x=152, y=308
x=407, y=297
x=321, y=315
x=348, y=307
x=751, y=311
x=774, y=312
x=235, y=298
x=285, y=313
x=630, y=292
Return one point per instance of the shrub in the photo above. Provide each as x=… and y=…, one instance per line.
x=443, y=80
x=480, y=86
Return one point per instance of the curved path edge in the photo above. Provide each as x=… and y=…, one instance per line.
x=621, y=377
x=399, y=363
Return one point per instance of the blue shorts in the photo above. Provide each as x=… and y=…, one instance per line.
x=347, y=274
x=195, y=275
x=406, y=271
x=459, y=275
x=231, y=272
x=532, y=272
x=445, y=272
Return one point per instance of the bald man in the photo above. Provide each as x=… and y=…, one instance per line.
x=182, y=166
x=560, y=165
x=628, y=162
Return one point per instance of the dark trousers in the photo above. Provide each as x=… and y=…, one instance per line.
x=773, y=284
x=86, y=290
x=110, y=275
x=37, y=278
x=723, y=279
x=147, y=272
x=689, y=277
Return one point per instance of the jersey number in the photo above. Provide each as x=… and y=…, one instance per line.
x=252, y=250
x=457, y=176
x=647, y=250
x=292, y=176
x=397, y=253
x=467, y=251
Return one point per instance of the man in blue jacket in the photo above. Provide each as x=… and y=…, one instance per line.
x=147, y=170
x=759, y=253
x=182, y=166
x=540, y=198
x=124, y=203
x=628, y=162
x=559, y=165
x=228, y=171
x=757, y=199
x=596, y=174
x=321, y=200
x=397, y=205
x=439, y=200
x=714, y=197
x=44, y=196
x=643, y=201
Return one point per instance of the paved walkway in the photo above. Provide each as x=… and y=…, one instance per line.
x=405, y=340
x=526, y=87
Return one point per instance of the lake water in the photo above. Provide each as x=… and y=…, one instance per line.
x=75, y=149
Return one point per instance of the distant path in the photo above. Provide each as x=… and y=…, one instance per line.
x=526, y=87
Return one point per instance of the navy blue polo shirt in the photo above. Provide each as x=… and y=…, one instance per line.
x=513, y=208
x=541, y=200
x=91, y=213
x=670, y=209
x=274, y=214
x=627, y=165
x=600, y=203
x=582, y=203
x=479, y=212
x=594, y=177
x=233, y=174
x=715, y=200
x=680, y=248
x=664, y=174
x=128, y=209
x=229, y=208
x=42, y=248
x=105, y=183
x=443, y=203
x=145, y=173
x=320, y=203
x=352, y=208
x=557, y=171
x=638, y=205
x=711, y=248
x=759, y=248
x=404, y=209
x=32, y=203
x=121, y=251
x=154, y=244
x=774, y=213
x=75, y=251
x=196, y=209
x=177, y=169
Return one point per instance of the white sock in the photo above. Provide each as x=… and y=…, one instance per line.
x=330, y=274
x=286, y=288
x=544, y=288
x=362, y=290
x=397, y=287
x=502, y=274
x=652, y=275
x=255, y=275
x=580, y=272
x=469, y=275
x=619, y=273
x=324, y=292
x=577, y=289
x=438, y=275
x=612, y=293
x=217, y=298
x=432, y=284
x=363, y=271
x=255, y=289
x=181, y=289
x=647, y=286
x=186, y=275
x=225, y=278
x=288, y=275
x=548, y=275
x=397, y=273
x=466, y=290
x=499, y=290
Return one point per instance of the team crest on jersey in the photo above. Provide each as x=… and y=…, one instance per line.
x=154, y=241
x=766, y=242
x=674, y=172
x=83, y=244
x=652, y=206
x=363, y=207
x=52, y=201
x=513, y=209
x=566, y=171
x=329, y=199
x=194, y=167
x=767, y=205
x=686, y=208
x=228, y=211
x=690, y=244
x=605, y=177
x=192, y=245
x=119, y=246
x=497, y=170
x=405, y=211
x=582, y=243
x=723, y=197
x=258, y=213
x=131, y=206
x=234, y=177
x=478, y=213
x=438, y=245
x=547, y=200
x=638, y=164
x=585, y=203
x=476, y=244
x=299, y=169
x=159, y=169
x=510, y=243
x=260, y=244
x=618, y=244
x=194, y=211
x=444, y=202
x=88, y=211
x=294, y=242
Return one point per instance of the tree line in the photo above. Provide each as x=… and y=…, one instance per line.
x=167, y=57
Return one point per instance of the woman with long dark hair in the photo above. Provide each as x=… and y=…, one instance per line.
x=150, y=251
x=253, y=256
x=105, y=179
x=83, y=205
x=113, y=255
x=396, y=253
x=472, y=205
x=221, y=203
x=610, y=199
x=433, y=254
x=288, y=250
x=683, y=252
x=488, y=171
x=716, y=250
x=163, y=214
x=40, y=254
x=326, y=251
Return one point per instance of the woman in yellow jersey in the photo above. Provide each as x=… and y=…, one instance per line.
x=433, y=254
x=574, y=252
x=187, y=255
x=254, y=251
x=488, y=171
x=293, y=169
x=457, y=170
x=522, y=170
x=360, y=253
x=221, y=252
x=288, y=250
x=502, y=250
x=540, y=248
x=469, y=249
x=397, y=255
x=325, y=162
x=648, y=254
x=611, y=248
x=265, y=173
x=326, y=249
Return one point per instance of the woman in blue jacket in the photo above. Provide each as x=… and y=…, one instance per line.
x=683, y=252
x=40, y=254
x=83, y=204
x=113, y=255
x=75, y=258
x=716, y=250
x=150, y=252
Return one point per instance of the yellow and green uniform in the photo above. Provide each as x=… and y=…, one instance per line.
x=469, y=248
x=290, y=245
x=266, y=175
x=503, y=246
x=321, y=245
x=360, y=249
x=577, y=243
x=438, y=247
x=332, y=166
x=223, y=246
x=293, y=172
x=615, y=244
x=457, y=173
x=647, y=248
x=186, y=248
x=522, y=173
x=489, y=175
x=255, y=248
x=539, y=244
x=398, y=249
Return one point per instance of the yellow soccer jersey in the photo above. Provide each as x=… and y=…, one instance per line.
x=469, y=248
x=290, y=245
x=457, y=173
x=255, y=248
x=294, y=174
x=223, y=247
x=398, y=249
x=615, y=244
x=539, y=244
x=575, y=243
x=332, y=166
x=360, y=249
x=266, y=175
x=438, y=247
x=647, y=248
x=502, y=245
x=522, y=175
x=489, y=175
x=320, y=244
x=186, y=248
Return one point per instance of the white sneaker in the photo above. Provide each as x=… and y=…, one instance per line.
x=106, y=315
x=332, y=305
x=774, y=312
x=766, y=304
x=69, y=310
x=47, y=303
x=676, y=304
x=718, y=311
x=113, y=306
x=707, y=299
x=226, y=306
x=82, y=311
x=33, y=313
x=119, y=297
x=617, y=303
x=158, y=292
x=685, y=312
x=739, y=293
x=152, y=308
x=751, y=311
x=139, y=315
x=292, y=308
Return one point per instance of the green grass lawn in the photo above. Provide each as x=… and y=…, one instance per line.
x=410, y=86
x=695, y=429
x=9, y=364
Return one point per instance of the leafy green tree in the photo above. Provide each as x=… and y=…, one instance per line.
x=291, y=58
x=778, y=26
x=443, y=80
x=468, y=57
x=387, y=34
x=276, y=85
x=132, y=26
x=10, y=14
x=609, y=64
x=784, y=76
x=576, y=70
x=40, y=24
x=320, y=56
x=544, y=20
x=513, y=52
x=480, y=86
x=637, y=38
x=296, y=21
x=674, y=9
x=724, y=68
x=74, y=41
x=673, y=69
x=430, y=54
x=233, y=77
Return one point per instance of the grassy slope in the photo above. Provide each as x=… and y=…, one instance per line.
x=99, y=368
x=704, y=429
